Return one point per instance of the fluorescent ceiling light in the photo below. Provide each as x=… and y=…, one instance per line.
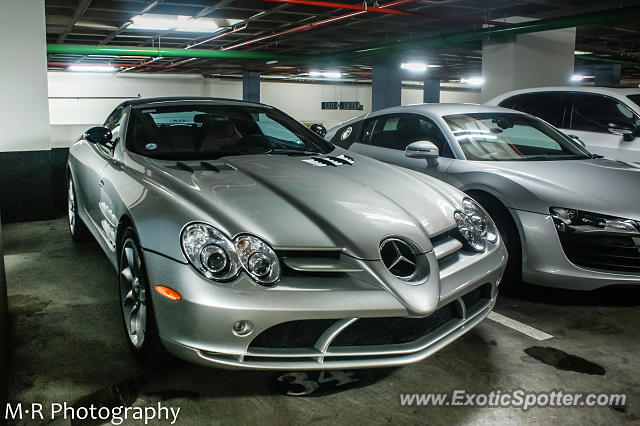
x=434, y=66
x=577, y=77
x=151, y=21
x=326, y=74
x=92, y=68
x=414, y=66
x=473, y=81
x=582, y=52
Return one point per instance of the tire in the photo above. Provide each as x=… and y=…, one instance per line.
x=77, y=228
x=136, y=308
x=512, y=277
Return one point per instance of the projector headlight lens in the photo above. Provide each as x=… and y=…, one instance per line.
x=475, y=225
x=219, y=258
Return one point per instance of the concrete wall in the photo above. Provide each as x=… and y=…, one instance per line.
x=80, y=100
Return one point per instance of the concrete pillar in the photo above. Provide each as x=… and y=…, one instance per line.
x=251, y=86
x=386, y=85
x=527, y=60
x=431, y=90
x=608, y=74
x=25, y=149
x=4, y=331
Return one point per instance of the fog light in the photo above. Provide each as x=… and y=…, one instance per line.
x=242, y=328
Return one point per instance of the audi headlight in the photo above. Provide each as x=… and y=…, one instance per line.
x=219, y=258
x=577, y=221
x=475, y=225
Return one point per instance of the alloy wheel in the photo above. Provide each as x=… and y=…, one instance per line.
x=133, y=293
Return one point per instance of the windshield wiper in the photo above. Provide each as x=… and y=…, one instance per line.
x=285, y=151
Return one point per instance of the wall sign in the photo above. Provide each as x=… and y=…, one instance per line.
x=347, y=106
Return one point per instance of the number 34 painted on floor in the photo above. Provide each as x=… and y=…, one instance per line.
x=302, y=381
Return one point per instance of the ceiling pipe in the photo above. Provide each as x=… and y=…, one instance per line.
x=234, y=30
x=313, y=25
x=334, y=5
x=453, y=18
x=76, y=49
x=444, y=40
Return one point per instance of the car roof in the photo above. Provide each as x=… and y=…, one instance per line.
x=442, y=109
x=615, y=91
x=185, y=100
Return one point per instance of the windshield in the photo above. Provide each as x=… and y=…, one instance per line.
x=509, y=137
x=635, y=99
x=201, y=132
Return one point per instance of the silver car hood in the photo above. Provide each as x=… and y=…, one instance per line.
x=294, y=204
x=598, y=185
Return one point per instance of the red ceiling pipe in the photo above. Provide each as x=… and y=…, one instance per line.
x=342, y=6
x=307, y=27
x=234, y=30
x=384, y=9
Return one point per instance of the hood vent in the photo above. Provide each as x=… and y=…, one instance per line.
x=331, y=161
x=203, y=166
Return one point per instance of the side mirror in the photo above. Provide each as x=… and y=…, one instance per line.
x=578, y=140
x=627, y=131
x=423, y=149
x=99, y=135
x=319, y=129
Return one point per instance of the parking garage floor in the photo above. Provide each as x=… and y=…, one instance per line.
x=67, y=345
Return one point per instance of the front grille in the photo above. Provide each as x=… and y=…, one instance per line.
x=304, y=334
x=394, y=331
x=604, y=252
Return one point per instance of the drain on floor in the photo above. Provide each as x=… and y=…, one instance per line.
x=120, y=394
x=564, y=361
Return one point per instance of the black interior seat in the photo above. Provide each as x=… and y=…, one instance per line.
x=216, y=133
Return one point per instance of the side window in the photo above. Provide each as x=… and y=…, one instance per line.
x=548, y=106
x=593, y=113
x=346, y=135
x=396, y=131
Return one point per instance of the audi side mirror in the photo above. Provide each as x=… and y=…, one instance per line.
x=627, y=131
x=423, y=149
x=99, y=135
x=578, y=140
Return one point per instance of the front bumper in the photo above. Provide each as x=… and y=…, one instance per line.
x=545, y=263
x=198, y=328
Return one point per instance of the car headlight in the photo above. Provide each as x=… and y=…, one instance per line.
x=577, y=221
x=219, y=258
x=475, y=225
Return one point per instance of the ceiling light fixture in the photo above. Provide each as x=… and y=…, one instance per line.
x=472, y=81
x=158, y=22
x=325, y=74
x=92, y=68
x=582, y=52
x=414, y=66
x=577, y=78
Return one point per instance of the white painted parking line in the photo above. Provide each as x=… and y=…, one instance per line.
x=518, y=326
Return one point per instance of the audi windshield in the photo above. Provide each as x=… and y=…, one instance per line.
x=511, y=137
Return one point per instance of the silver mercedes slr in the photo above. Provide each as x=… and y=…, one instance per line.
x=242, y=239
x=569, y=218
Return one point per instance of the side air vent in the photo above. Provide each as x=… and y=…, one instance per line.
x=331, y=161
x=203, y=166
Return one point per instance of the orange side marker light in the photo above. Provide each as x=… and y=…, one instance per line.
x=167, y=292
